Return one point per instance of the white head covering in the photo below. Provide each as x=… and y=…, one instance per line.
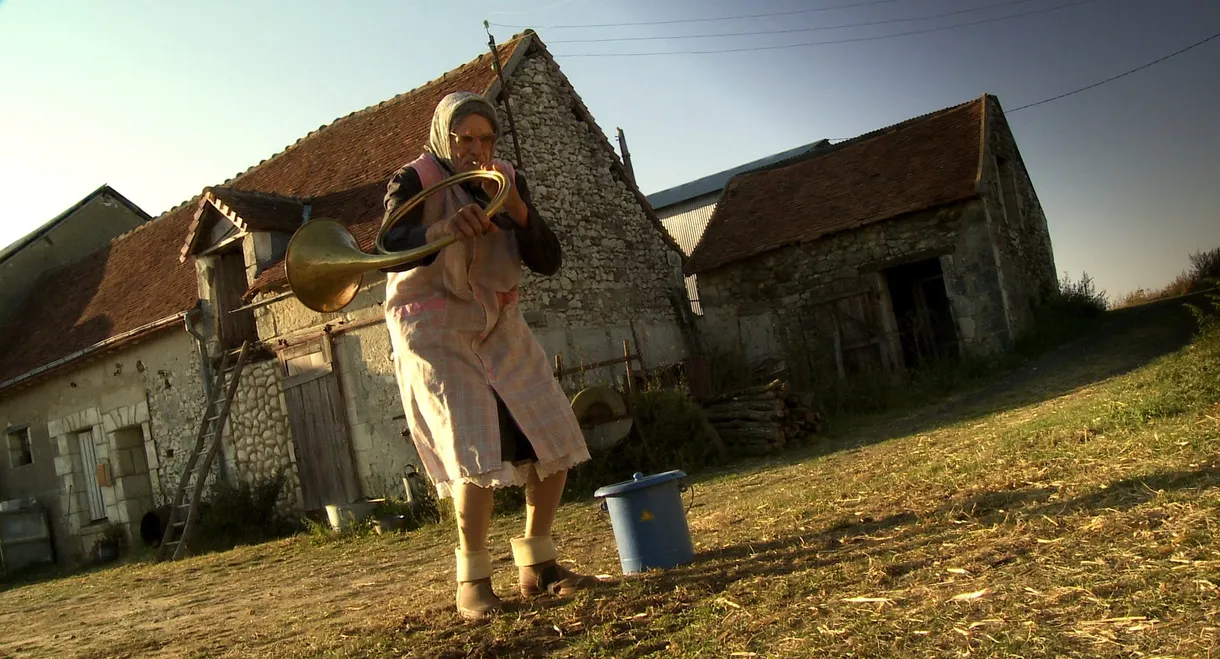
x=452, y=109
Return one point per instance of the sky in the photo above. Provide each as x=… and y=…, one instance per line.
x=162, y=99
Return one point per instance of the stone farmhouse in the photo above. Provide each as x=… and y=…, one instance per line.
x=685, y=209
x=885, y=252
x=109, y=377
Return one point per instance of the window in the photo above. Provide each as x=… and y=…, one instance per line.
x=19, y=453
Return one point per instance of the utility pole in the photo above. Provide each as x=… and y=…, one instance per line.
x=508, y=110
x=622, y=146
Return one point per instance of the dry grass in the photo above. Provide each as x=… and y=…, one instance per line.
x=1072, y=513
x=1204, y=272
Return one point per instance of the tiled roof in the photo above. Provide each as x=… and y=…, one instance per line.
x=135, y=281
x=917, y=164
x=144, y=275
x=249, y=211
x=341, y=170
x=344, y=168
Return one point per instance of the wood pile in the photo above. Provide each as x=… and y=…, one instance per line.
x=761, y=419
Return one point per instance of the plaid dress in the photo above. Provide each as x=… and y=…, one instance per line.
x=464, y=355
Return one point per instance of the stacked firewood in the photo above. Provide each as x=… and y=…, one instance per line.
x=761, y=419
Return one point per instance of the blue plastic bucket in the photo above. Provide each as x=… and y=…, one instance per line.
x=649, y=521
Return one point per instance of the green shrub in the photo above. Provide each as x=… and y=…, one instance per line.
x=242, y=514
x=1208, y=318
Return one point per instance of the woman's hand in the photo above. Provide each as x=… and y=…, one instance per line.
x=514, y=204
x=468, y=223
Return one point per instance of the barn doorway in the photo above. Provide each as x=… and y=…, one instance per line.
x=921, y=308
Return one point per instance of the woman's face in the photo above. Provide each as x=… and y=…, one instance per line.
x=472, y=141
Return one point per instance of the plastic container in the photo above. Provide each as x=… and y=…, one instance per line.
x=649, y=521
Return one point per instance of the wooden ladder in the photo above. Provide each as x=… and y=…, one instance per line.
x=207, y=443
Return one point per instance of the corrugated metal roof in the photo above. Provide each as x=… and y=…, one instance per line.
x=686, y=221
x=716, y=182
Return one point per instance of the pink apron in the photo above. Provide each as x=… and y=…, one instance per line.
x=458, y=333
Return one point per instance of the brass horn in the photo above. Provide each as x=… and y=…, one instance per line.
x=325, y=264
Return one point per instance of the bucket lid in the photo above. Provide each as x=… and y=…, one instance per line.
x=638, y=482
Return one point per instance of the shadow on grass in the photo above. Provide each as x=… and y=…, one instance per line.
x=667, y=600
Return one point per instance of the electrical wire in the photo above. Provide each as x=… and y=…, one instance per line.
x=802, y=29
x=833, y=41
x=1113, y=78
x=702, y=20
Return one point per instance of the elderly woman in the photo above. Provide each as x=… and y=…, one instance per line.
x=481, y=402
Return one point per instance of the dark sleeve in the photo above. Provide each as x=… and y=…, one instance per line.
x=410, y=231
x=539, y=247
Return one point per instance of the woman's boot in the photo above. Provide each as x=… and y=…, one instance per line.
x=475, y=598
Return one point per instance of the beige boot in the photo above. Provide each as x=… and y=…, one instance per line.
x=475, y=598
x=541, y=573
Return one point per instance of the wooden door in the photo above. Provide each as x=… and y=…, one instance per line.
x=851, y=327
x=93, y=489
x=317, y=416
x=231, y=285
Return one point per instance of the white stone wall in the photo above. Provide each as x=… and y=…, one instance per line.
x=140, y=405
x=258, y=438
x=370, y=391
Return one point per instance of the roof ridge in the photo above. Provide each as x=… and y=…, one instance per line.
x=376, y=106
x=227, y=183
x=32, y=235
x=272, y=196
x=192, y=201
x=906, y=123
x=117, y=239
x=831, y=149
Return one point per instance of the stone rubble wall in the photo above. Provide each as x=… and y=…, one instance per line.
x=1022, y=234
x=175, y=401
x=258, y=438
x=761, y=306
x=619, y=273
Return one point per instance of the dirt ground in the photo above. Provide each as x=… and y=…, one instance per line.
x=988, y=516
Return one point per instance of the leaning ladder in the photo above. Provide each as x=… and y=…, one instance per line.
x=211, y=429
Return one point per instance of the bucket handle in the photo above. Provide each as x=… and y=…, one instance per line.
x=603, y=511
x=685, y=487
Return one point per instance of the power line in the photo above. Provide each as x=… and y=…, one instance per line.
x=1096, y=84
x=704, y=20
x=1121, y=75
x=803, y=29
x=834, y=41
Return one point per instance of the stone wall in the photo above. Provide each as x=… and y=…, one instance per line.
x=374, y=411
x=258, y=441
x=1018, y=222
x=764, y=306
x=619, y=273
x=139, y=409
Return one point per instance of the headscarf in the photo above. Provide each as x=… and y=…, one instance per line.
x=451, y=110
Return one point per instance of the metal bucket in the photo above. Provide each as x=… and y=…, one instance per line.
x=649, y=521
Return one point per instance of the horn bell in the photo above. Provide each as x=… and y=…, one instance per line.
x=325, y=265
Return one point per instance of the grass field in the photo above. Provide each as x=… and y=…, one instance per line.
x=1068, y=509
